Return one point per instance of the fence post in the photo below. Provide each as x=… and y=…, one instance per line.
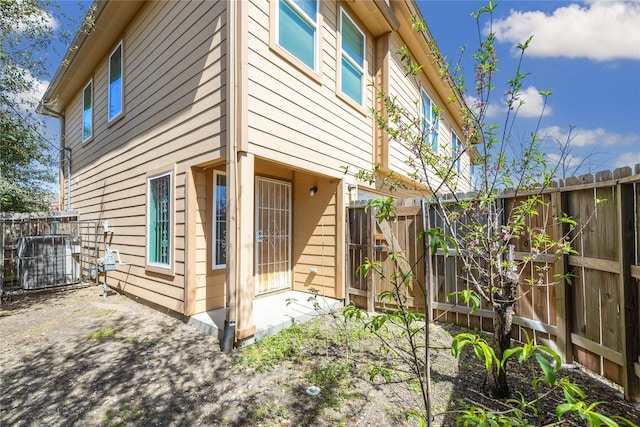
x=426, y=248
x=1, y=258
x=371, y=279
x=563, y=291
x=347, y=255
x=629, y=292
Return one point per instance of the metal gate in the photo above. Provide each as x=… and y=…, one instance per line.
x=273, y=235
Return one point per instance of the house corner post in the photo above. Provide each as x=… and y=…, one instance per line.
x=341, y=241
x=189, y=243
x=245, y=261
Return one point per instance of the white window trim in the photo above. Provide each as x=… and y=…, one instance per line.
x=121, y=46
x=90, y=82
x=154, y=266
x=350, y=60
x=456, y=150
x=214, y=236
x=314, y=22
x=436, y=128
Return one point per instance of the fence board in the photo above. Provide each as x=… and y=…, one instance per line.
x=594, y=320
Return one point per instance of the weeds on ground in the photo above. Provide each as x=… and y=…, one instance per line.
x=320, y=354
x=125, y=415
x=107, y=332
x=273, y=350
x=105, y=312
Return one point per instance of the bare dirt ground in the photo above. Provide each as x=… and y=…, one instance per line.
x=73, y=359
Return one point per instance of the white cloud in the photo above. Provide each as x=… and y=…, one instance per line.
x=598, y=30
x=28, y=100
x=590, y=137
x=532, y=103
x=627, y=159
x=529, y=104
x=43, y=18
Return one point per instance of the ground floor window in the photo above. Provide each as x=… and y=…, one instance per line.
x=159, y=214
x=219, y=219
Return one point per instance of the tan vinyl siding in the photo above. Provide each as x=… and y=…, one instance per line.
x=295, y=119
x=315, y=242
x=174, y=85
x=406, y=90
x=408, y=93
x=210, y=284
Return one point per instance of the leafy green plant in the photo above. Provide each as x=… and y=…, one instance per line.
x=539, y=359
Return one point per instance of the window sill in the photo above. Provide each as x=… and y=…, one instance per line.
x=165, y=271
x=359, y=108
x=292, y=60
x=115, y=120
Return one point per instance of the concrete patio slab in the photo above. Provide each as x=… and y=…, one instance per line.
x=271, y=314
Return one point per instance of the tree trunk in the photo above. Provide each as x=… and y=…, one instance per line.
x=495, y=383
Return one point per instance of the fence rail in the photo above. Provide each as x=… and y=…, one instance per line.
x=594, y=320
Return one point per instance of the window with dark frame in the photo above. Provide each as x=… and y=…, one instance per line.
x=87, y=111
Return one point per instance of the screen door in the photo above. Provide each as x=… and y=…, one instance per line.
x=273, y=235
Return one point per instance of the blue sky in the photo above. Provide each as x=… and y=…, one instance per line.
x=588, y=53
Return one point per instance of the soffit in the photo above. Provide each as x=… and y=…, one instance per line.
x=377, y=15
x=87, y=50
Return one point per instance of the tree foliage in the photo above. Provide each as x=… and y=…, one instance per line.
x=27, y=32
x=479, y=227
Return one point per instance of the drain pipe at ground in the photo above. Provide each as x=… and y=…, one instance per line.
x=229, y=332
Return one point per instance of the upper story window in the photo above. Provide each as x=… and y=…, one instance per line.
x=116, y=92
x=297, y=29
x=430, y=125
x=87, y=111
x=455, y=151
x=160, y=219
x=352, y=48
x=219, y=219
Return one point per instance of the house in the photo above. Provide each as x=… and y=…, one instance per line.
x=214, y=135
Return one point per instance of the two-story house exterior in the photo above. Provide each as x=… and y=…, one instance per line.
x=213, y=136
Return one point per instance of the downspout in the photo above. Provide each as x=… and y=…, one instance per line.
x=68, y=150
x=231, y=316
x=43, y=109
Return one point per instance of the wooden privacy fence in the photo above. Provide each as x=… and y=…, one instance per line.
x=594, y=320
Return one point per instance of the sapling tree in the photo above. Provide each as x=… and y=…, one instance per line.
x=479, y=227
